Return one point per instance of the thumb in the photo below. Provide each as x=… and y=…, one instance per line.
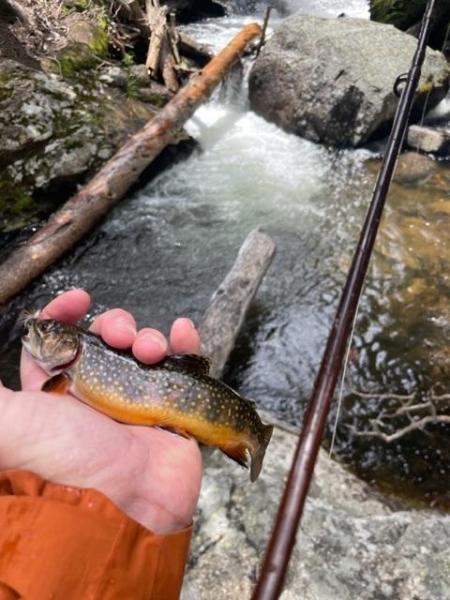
x=31, y=375
x=3, y=389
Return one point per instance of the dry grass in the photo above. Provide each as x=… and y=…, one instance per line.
x=45, y=32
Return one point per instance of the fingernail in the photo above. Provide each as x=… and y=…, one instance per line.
x=125, y=326
x=158, y=340
x=189, y=322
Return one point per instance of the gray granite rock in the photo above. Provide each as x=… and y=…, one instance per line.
x=353, y=544
x=55, y=132
x=331, y=80
x=427, y=139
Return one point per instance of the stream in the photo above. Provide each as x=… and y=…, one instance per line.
x=164, y=249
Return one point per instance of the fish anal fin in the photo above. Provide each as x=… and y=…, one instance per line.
x=177, y=430
x=190, y=363
x=58, y=384
x=237, y=452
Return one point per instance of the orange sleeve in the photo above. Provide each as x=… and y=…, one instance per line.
x=67, y=543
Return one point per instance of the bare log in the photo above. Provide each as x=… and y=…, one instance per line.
x=168, y=65
x=79, y=214
x=174, y=38
x=157, y=19
x=192, y=49
x=226, y=312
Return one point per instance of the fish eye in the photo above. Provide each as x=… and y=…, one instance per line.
x=46, y=326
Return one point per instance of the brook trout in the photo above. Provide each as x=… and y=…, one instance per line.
x=176, y=393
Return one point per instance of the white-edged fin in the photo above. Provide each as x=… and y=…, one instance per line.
x=258, y=453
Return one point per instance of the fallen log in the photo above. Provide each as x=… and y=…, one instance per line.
x=226, y=312
x=200, y=53
x=81, y=212
x=168, y=65
x=157, y=19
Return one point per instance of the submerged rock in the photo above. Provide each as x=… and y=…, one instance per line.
x=352, y=543
x=331, y=80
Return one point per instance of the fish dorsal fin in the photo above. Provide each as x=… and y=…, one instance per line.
x=190, y=363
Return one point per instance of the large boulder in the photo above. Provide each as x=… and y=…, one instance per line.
x=331, y=80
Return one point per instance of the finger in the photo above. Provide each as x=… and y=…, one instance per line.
x=4, y=391
x=150, y=346
x=69, y=307
x=117, y=327
x=184, y=337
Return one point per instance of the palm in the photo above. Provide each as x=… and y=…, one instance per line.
x=153, y=475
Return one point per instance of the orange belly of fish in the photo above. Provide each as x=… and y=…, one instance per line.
x=235, y=444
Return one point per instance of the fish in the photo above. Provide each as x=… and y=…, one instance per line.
x=177, y=393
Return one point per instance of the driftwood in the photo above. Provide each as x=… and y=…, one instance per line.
x=157, y=18
x=200, y=53
x=262, y=39
x=174, y=38
x=79, y=214
x=224, y=317
x=168, y=65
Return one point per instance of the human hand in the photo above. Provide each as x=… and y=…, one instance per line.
x=154, y=476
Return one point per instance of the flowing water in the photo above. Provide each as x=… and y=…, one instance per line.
x=164, y=249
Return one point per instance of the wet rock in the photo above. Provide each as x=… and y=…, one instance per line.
x=54, y=134
x=193, y=10
x=331, y=80
x=407, y=14
x=352, y=543
x=428, y=139
x=413, y=168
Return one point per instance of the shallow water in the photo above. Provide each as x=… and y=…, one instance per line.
x=162, y=252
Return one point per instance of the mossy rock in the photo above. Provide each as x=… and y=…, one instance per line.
x=405, y=14
x=87, y=43
x=401, y=13
x=56, y=133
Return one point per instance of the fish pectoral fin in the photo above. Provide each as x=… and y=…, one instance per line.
x=189, y=363
x=177, y=430
x=237, y=452
x=58, y=384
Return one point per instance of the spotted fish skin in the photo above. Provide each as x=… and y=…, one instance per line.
x=176, y=393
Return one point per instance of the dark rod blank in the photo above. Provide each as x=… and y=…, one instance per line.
x=276, y=560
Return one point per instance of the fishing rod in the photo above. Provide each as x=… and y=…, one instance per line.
x=283, y=537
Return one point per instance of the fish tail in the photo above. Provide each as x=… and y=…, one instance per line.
x=257, y=454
